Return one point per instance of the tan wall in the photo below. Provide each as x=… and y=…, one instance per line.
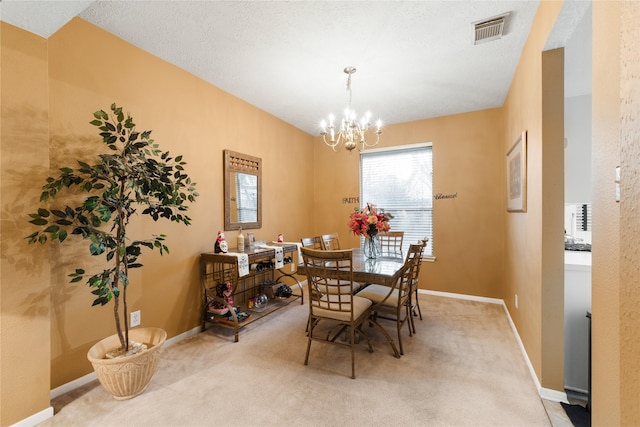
x=536, y=279
x=605, y=279
x=197, y=120
x=616, y=234
x=24, y=275
x=552, y=261
x=467, y=160
x=88, y=70
x=630, y=212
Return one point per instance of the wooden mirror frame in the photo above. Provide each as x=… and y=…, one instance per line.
x=241, y=163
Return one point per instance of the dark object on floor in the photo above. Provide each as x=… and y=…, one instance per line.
x=284, y=291
x=578, y=415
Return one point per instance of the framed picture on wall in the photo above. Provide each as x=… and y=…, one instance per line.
x=517, y=175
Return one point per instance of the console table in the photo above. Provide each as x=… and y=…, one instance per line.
x=222, y=269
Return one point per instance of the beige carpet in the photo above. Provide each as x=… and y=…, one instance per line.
x=462, y=368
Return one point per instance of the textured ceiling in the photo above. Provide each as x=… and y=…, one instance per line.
x=415, y=59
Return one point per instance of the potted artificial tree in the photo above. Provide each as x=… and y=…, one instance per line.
x=133, y=175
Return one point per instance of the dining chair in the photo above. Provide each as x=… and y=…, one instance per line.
x=391, y=243
x=415, y=302
x=314, y=242
x=331, y=300
x=317, y=242
x=394, y=303
x=331, y=242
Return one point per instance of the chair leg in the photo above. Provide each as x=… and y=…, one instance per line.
x=417, y=305
x=373, y=321
x=410, y=324
x=310, y=326
x=352, y=333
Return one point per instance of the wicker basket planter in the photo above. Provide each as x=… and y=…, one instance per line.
x=127, y=377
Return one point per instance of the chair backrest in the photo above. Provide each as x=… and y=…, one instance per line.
x=418, y=252
x=391, y=242
x=331, y=242
x=314, y=242
x=329, y=280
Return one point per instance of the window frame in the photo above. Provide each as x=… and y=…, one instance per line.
x=430, y=256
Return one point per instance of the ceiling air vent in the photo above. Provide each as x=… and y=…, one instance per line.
x=489, y=29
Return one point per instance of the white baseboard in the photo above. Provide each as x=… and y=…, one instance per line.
x=553, y=395
x=72, y=385
x=79, y=382
x=183, y=336
x=462, y=296
x=577, y=390
x=545, y=393
x=35, y=419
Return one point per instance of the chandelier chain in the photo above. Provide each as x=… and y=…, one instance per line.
x=349, y=90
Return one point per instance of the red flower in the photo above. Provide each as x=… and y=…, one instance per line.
x=368, y=221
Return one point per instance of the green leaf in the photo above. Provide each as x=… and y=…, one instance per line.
x=101, y=301
x=96, y=248
x=62, y=235
x=96, y=122
x=39, y=221
x=75, y=279
x=51, y=229
x=58, y=213
x=43, y=212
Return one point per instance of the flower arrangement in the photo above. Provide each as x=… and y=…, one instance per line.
x=369, y=221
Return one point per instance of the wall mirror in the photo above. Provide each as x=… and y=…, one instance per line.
x=242, y=191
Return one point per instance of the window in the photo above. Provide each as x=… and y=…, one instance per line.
x=247, y=197
x=399, y=180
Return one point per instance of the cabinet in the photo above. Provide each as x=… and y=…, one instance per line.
x=227, y=297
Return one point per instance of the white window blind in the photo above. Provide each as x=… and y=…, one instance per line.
x=400, y=182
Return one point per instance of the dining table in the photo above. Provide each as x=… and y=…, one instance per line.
x=384, y=270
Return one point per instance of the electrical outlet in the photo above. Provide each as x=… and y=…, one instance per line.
x=516, y=301
x=134, y=318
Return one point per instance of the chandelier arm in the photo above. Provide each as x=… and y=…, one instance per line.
x=335, y=143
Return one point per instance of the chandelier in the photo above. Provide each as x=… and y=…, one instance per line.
x=352, y=133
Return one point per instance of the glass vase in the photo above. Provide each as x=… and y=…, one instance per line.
x=372, y=249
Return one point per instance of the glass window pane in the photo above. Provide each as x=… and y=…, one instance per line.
x=399, y=181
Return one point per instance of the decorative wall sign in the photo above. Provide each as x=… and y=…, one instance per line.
x=517, y=175
x=347, y=200
x=441, y=196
